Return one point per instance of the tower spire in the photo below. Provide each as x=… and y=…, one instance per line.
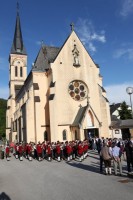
x=17, y=7
x=18, y=45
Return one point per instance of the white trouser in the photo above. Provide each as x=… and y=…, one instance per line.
x=21, y=158
x=59, y=159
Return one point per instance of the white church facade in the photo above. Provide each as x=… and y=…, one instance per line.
x=62, y=98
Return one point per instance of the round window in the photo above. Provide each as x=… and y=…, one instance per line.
x=78, y=90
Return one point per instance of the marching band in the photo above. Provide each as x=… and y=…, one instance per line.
x=49, y=150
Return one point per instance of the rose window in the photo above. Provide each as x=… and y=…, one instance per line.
x=77, y=90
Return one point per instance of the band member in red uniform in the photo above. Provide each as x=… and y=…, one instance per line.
x=53, y=146
x=68, y=150
x=85, y=148
x=16, y=147
x=74, y=149
x=29, y=148
x=80, y=151
x=43, y=149
x=35, y=151
x=62, y=146
x=39, y=151
x=7, y=151
x=49, y=151
x=20, y=150
x=58, y=151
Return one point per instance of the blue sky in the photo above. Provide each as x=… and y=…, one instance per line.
x=104, y=26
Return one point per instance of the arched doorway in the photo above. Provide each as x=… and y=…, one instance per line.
x=91, y=131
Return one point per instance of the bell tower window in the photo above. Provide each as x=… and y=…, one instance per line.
x=21, y=72
x=16, y=71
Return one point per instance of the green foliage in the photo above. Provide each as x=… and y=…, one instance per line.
x=124, y=111
x=3, y=106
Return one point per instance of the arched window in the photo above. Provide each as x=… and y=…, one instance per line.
x=23, y=100
x=28, y=94
x=45, y=136
x=16, y=137
x=64, y=134
x=16, y=71
x=90, y=119
x=21, y=72
x=76, y=135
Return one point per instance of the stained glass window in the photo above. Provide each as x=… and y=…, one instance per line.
x=78, y=90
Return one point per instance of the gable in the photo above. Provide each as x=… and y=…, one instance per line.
x=79, y=116
x=76, y=49
x=114, y=107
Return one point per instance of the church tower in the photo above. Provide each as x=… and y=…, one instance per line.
x=17, y=74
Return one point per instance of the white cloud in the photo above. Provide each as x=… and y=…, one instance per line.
x=117, y=93
x=100, y=38
x=4, y=92
x=92, y=47
x=128, y=52
x=127, y=8
x=88, y=34
x=39, y=43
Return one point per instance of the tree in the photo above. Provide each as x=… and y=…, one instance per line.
x=125, y=112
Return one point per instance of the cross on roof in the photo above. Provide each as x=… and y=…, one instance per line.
x=72, y=26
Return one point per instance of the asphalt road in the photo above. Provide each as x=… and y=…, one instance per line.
x=45, y=180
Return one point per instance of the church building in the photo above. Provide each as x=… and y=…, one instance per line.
x=62, y=98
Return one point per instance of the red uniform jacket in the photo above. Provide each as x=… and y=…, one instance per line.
x=29, y=148
x=7, y=150
x=20, y=149
x=58, y=149
x=49, y=150
x=85, y=147
x=80, y=149
x=25, y=147
x=68, y=149
x=39, y=148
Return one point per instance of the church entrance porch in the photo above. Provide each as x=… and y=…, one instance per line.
x=91, y=133
x=126, y=133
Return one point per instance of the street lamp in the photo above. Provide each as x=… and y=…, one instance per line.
x=129, y=91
